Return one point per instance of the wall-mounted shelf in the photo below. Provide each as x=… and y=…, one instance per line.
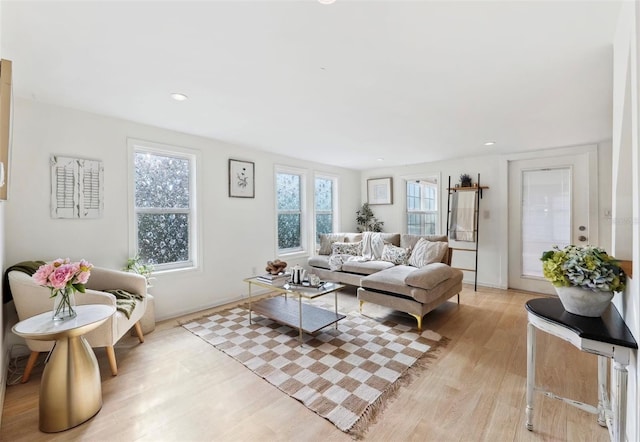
x=477, y=188
x=467, y=189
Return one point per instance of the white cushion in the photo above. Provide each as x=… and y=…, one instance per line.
x=396, y=255
x=427, y=252
x=347, y=248
x=327, y=240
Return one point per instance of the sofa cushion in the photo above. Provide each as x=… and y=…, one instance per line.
x=427, y=252
x=321, y=261
x=327, y=240
x=395, y=255
x=352, y=237
x=392, y=281
x=391, y=238
x=365, y=267
x=347, y=248
x=429, y=276
x=409, y=241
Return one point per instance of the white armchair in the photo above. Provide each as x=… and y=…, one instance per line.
x=32, y=299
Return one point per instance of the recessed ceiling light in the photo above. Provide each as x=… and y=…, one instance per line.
x=380, y=159
x=489, y=143
x=178, y=96
x=326, y=2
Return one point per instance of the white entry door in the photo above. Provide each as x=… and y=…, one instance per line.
x=552, y=201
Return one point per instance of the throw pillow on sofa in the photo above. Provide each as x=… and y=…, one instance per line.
x=327, y=240
x=394, y=254
x=427, y=252
x=347, y=248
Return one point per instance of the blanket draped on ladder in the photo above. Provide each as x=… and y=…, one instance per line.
x=462, y=224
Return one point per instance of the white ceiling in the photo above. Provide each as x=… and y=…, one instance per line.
x=343, y=84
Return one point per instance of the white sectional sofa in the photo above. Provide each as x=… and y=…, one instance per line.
x=409, y=273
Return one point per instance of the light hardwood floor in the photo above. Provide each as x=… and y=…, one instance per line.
x=176, y=387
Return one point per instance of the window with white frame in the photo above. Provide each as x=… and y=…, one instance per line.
x=325, y=204
x=422, y=207
x=164, y=207
x=290, y=210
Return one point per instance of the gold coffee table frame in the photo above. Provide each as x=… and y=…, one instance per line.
x=70, y=389
x=306, y=318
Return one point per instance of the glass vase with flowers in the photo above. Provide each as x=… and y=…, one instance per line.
x=64, y=278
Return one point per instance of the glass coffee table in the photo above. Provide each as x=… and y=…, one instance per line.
x=294, y=313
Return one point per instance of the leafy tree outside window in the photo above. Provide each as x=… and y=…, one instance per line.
x=163, y=200
x=422, y=209
x=290, y=215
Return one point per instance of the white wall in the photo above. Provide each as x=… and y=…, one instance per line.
x=394, y=215
x=493, y=223
x=625, y=191
x=237, y=233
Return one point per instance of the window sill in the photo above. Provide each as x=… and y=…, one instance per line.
x=294, y=254
x=186, y=269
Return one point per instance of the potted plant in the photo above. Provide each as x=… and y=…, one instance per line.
x=465, y=180
x=366, y=221
x=135, y=266
x=585, y=278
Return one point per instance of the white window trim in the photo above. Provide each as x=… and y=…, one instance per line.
x=303, y=250
x=195, y=232
x=422, y=210
x=438, y=211
x=334, y=209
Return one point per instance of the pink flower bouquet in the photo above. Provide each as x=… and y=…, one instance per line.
x=63, y=278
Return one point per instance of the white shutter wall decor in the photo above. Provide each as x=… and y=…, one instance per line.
x=77, y=188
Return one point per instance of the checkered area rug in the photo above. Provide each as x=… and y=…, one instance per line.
x=344, y=375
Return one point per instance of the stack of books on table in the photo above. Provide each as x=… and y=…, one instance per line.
x=277, y=280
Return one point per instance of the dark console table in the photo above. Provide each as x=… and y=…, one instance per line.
x=607, y=337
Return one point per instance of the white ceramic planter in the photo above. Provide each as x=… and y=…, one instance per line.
x=584, y=302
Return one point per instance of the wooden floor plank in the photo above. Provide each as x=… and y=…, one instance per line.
x=176, y=387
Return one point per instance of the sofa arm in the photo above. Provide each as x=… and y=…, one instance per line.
x=429, y=276
x=102, y=279
x=95, y=297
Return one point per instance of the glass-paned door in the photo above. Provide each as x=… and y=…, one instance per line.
x=546, y=214
x=550, y=203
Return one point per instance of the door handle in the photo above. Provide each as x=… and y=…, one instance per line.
x=582, y=238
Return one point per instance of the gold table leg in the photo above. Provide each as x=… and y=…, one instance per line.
x=70, y=390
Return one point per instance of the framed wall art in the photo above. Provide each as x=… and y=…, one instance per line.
x=379, y=191
x=241, y=179
x=77, y=187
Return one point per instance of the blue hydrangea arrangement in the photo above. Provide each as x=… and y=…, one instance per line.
x=583, y=266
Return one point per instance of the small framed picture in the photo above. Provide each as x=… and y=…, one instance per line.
x=241, y=179
x=380, y=191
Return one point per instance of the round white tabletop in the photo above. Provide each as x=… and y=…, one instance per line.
x=42, y=327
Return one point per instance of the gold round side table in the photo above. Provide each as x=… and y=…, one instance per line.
x=70, y=389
